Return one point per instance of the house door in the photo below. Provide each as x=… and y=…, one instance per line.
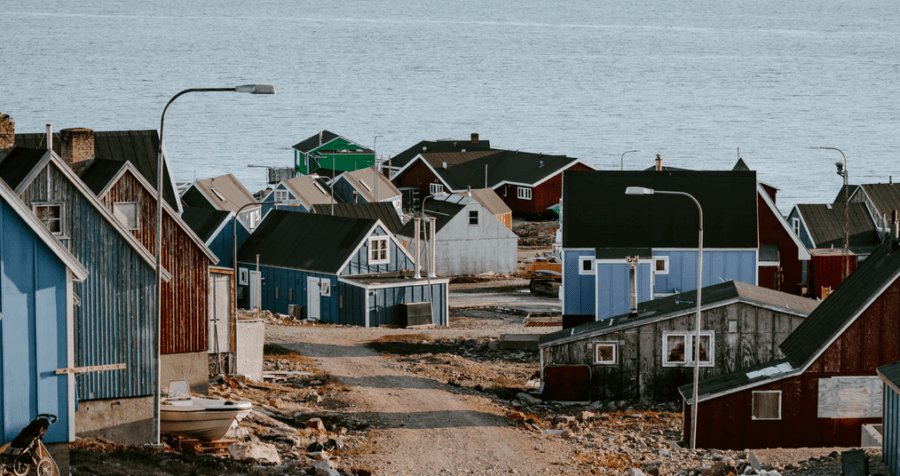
x=313, y=298
x=219, y=313
x=254, y=289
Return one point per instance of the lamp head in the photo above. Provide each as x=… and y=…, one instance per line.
x=256, y=89
x=638, y=191
x=840, y=168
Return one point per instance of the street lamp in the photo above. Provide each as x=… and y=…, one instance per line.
x=376, y=166
x=696, y=402
x=622, y=159
x=842, y=171
x=246, y=88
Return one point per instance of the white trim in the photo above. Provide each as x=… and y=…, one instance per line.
x=547, y=177
x=361, y=242
x=70, y=352
x=688, y=350
x=62, y=235
x=615, y=347
x=795, y=225
x=399, y=284
x=581, y=270
x=137, y=212
x=780, y=402
x=422, y=159
x=805, y=227
x=222, y=227
x=387, y=250
x=665, y=259
x=763, y=264
x=524, y=193
x=802, y=252
x=433, y=188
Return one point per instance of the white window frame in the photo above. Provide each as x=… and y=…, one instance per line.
x=689, y=349
x=523, y=193
x=615, y=358
x=795, y=225
x=282, y=195
x=473, y=214
x=61, y=219
x=324, y=287
x=581, y=261
x=373, y=259
x=665, y=261
x=137, y=221
x=780, y=403
x=435, y=188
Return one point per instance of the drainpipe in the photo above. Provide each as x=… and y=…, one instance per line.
x=418, y=240
x=431, y=246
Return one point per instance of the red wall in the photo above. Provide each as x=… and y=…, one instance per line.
x=419, y=176
x=871, y=341
x=771, y=230
x=544, y=195
x=828, y=271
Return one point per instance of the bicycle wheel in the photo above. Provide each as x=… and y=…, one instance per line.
x=46, y=467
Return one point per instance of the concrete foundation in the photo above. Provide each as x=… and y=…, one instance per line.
x=125, y=420
x=192, y=367
x=519, y=341
x=60, y=454
x=872, y=435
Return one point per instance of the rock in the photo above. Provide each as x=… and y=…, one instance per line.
x=586, y=415
x=594, y=406
x=719, y=469
x=318, y=455
x=635, y=471
x=315, y=424
x=528, y=399
x=321, y=468
x=314, y=397
x=259, y=452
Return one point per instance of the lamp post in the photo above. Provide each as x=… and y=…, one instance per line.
x=247, y=88
x=842, y=171
x=376, y=166
x=697, y=321
x=622, y=159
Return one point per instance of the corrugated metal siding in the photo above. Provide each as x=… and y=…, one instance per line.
x=718, y=266
x=386, y=306
x=33, y=335
x=578, y=288
x=359, y=263
x=286, y=280
x=114, y=323
x=891, y=437
x=185, y=314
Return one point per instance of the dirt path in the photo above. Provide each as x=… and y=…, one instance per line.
x=422, y=426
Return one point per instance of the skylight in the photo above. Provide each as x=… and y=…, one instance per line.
x=364, y=185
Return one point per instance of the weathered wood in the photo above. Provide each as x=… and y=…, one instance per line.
x=646, y=365
x=850, y=397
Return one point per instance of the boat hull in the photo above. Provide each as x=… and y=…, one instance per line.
x=201, y=424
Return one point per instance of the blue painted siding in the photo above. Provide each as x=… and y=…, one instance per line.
x=614, y=289
x=33, y=340
x=718, y=266
x=344, y=191
x=804, y=233
x=286, y=280
x=359, y=263
x=891, y=438
x=384, y=303
x=578, y=289
x=268, y=203
x=115, y=321
x=222, y=245
x=352, y=305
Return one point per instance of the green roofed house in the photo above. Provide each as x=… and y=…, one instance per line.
x=327, y=151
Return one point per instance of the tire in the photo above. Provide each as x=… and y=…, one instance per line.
x=45, y=467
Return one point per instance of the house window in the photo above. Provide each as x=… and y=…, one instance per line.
x=282, y=195
x=325, y=288
x=126, y=213
x=586, y=265
x=473, y=217
x=217, y=194
x=365, y=185
x=767, y=405
x=606, y=353
x=378, y=250
x=795, y=225
x=661, y=265
x=435, y=188
x=524, y=193
x=678, y=348
x=51, y=215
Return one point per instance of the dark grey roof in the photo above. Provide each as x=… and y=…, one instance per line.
x=443, y=212
x=885, y=196
x=740, y=166
x=429, y=146
x=18, y=163
x=737, y=379
x=676, y=305
x=314, y=141
x=825, y=225
x=204, y=221
x=843, y=305
x=99, y=172
x=502, y=166
x=840, y=195
x=598, y=214
x=622, y=253
x=891, y=375
x=768, y=252
x=193, y=197
x=138, y=147
x=305, y=241
x=381, y=211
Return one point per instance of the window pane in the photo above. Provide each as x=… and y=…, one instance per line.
x=606, y=353
x=660, y=265
x=766, y=405
x=704, y=348
x=126, y=213
x=587, y=265
x=675, y=348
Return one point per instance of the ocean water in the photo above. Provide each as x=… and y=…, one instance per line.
x=694, y=82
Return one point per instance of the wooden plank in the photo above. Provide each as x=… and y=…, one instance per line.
x=646, y=364
x=748, y=336
x=93, y=368
x=891, y=323
x=630, y=364
x=851, y=353
x=872, y=337
x=850, y=397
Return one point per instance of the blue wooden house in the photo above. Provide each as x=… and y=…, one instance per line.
x=36, y=323
x=114, y=304
x=340, y=270
x=216, y=228
x=616, y=245
x=890, y=435
x=821, y=226
x=298, y=194
x=361, y=186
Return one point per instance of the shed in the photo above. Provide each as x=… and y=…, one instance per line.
x=326, y=151
x=361, y=186
x=643, y=356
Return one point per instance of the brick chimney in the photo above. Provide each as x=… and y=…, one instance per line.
x=76, y=146
x=658, y=163
x=7, y=133
x=474, y=137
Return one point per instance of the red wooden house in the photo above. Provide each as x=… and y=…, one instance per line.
x=528, y=183
x=781, y=252
x=184, y=341
x=826, y=387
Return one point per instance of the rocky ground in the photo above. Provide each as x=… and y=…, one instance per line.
x=536, y=233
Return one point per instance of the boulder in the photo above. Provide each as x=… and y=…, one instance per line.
x=528, y=399
x=321, y=468
x=259, y=452
x=634, y=472
x=315, y=424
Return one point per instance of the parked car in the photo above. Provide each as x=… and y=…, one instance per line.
x=545, y=282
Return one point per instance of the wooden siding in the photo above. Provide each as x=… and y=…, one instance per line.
x=718, y=266
x=771, y=230
x=114, y=323
x=287, y=280
x=868, y=343
x=579, y=290
x=389, y=300
x=359, y=263
x=826, y=271
x=419, y=176
x=891, y=436
x=640, y=373
x=33, y=331
x=185, y=315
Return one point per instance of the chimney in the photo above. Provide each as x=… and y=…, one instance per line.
x=445, y=165
x=49, y=136
x=320, y=137
x=7, y=133
x=632, y=273
x=474, y=137
x=658, y=163
x=895, y=227
x=76, y=147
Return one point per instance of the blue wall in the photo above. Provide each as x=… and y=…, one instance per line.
x=614, y=288
x=359, y=262
x=579, y=290
x=222, y=244
x=804, y=233
x=344, y=191
x=891, y=438
x=33, y=342
x=268, y=203
x=286, y=280
x=718, y=266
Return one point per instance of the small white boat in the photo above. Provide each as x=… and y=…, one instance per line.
x=200, y=418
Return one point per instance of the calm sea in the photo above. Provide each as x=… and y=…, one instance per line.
x=692, y=81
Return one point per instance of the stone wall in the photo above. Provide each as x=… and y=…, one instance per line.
x=76, y=146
